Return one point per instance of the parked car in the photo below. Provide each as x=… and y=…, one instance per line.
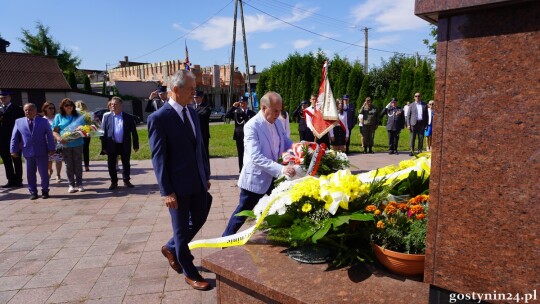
x=99, y=114
x=217, y=116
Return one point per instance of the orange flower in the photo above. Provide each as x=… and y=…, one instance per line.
x=392, y=204
x=416, y=209
x=420, y=216
x=371, y=208
x=402, y=207
x=390, y=209
x=377, y=212
x=422, y=198
x=380, y=224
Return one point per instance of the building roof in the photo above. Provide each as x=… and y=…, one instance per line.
x=26, y=71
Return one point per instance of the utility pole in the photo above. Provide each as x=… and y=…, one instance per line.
x=229, y=101
x=229, y=98
x=366, y=50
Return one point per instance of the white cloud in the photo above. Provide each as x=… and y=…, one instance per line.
x=266, y=46
x=388, y=40
x=217, y=32
x=387, y=15
x=302, y=43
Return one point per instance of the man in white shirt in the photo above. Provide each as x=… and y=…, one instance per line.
x=417, y=122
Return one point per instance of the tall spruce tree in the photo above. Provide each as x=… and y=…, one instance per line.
x=87, y=86
x=354, y=83
x=42, y=43
x=406, y=82
x=364, y=92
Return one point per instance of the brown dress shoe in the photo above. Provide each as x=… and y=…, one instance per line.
x=172, y=259
x=199, y=283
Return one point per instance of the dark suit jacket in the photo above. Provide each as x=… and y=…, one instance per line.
x=174, y=157
x=412, y=119
x=7, y=123
x=240, y=118
x=204, y=110
x=299, y=113
x=130, y=130
x=396, y=118
x=351, y=117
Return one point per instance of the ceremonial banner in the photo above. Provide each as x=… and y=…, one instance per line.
x=325, y=116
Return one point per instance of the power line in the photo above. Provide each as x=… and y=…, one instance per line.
x=193, y=29
x=327, y=37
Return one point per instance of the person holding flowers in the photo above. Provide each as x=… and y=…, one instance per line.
x=264, y=141
x=72, y=151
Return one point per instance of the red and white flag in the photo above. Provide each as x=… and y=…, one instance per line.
x=325, y=116
x=187, y=64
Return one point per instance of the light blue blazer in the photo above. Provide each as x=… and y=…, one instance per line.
x=36, y=143
x=260, y=162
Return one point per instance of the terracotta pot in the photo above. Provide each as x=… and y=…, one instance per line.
x=400, y=263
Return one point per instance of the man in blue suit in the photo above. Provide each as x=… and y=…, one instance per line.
x=183, y=172
x=264, y=142
x=33, y=133
x=118, y=129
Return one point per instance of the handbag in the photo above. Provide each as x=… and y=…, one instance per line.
x=59, y=148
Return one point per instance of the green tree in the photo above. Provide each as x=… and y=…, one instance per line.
x=42, y=43
x=406, y=82
x=364, y=92
x=354, y=83
x=104, y=88
x=432, y=44
x=87, y=86
x=72, y=80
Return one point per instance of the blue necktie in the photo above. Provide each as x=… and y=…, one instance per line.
x=31, y=125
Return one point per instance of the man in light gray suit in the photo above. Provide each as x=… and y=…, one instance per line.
x=417, y=121
x=264, y=142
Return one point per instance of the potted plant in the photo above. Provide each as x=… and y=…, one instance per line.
x=399, y=240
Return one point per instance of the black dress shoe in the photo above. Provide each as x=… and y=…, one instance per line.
x=45, y=195
x=128, y=184
x=33, y=196
x=396, y=152
x=113, y=186
x=391, y=152
x=8, y=185
x=411, y=154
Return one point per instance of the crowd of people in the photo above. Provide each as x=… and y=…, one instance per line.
x=39, y=135
x=178, y=133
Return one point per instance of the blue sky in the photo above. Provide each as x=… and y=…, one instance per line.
x=102, y=32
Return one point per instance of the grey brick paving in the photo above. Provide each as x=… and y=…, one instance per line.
x=103, y=246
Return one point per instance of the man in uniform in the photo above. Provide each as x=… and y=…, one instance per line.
x=303, y=130
x=240, y=113
x=157, y=99
x=8, y=114
x=203, y=110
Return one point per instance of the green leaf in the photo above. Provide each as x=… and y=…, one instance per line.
x=276, y=220
x=365, y=217
x=301, y=232
x=248, y=213
x=340, y=220
x=323, y=231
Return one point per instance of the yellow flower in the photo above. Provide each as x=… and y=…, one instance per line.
x=306, y=208
x=377, y=212
x=380, y=224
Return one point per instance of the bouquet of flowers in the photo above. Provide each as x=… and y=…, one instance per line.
x=83, y=126
x=328, y=211
x=401, y=226
x=313, y=159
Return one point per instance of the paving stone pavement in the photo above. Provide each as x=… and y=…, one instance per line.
x=103, y=246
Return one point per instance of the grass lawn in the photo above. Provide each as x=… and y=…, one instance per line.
x=222, y=144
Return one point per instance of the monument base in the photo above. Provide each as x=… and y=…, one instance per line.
x=260, y=272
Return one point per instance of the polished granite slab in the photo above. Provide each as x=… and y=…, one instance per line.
x=260, y=272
